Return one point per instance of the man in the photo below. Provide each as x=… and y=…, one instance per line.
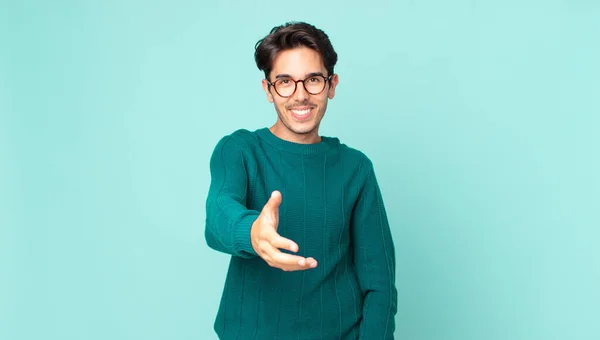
x=301, y=214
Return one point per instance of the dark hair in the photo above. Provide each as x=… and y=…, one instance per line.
x=292, y=35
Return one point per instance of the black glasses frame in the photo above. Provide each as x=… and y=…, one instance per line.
x=326, y=79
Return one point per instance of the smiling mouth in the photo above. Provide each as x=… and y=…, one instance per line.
x=301, y=113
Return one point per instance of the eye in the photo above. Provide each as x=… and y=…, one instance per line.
x=314, y=79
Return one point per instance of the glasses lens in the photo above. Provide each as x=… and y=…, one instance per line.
x=314, y=85
x=285, y=87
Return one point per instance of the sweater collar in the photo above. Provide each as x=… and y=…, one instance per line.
x=305, y=149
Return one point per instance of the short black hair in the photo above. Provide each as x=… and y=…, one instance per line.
x=291, y=35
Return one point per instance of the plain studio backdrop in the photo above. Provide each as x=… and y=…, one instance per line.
x=482, y=119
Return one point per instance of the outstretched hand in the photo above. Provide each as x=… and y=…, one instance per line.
x=267, y=242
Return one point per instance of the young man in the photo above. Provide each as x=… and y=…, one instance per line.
x=301, y=214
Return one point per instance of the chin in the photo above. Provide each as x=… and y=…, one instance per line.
x=301, y=127
x=303, y=132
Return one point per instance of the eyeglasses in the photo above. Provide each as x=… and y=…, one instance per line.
x=286, y=87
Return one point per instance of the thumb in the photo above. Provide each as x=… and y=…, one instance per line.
x=272, y=206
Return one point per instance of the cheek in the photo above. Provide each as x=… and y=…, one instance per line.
x=280, y=103
x=322, y=102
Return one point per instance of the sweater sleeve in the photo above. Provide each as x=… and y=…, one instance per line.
x=374, y=260
x=228, y=221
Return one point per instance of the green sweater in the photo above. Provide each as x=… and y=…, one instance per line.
x=332, y=208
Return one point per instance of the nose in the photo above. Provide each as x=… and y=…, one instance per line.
x=301, y=94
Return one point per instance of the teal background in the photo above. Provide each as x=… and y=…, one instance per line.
x=481, y=117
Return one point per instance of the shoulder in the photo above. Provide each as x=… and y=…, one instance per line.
x=355, y=158
x=240, y=140
x=234, y=147
x=244, y=136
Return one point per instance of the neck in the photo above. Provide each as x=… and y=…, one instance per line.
x=301, y=138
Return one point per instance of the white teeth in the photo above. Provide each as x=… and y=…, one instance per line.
x=301, y=112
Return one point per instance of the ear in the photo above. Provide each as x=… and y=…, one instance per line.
x=265, y=86
x=332, y=85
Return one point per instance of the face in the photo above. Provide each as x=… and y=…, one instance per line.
x=299, y=115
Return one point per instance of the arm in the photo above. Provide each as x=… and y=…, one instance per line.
x=374, y=260
x=228, y=221
x=234, y=229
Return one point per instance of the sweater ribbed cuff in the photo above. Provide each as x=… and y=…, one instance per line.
x=241, y=236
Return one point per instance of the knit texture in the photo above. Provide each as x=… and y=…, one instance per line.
x=333, y=209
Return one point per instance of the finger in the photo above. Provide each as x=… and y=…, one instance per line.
x=307, y=263
x=297, y=267
x=284, y=243
x=275, y=256
x=272, y=206
x=303, y=264
x=286, y=261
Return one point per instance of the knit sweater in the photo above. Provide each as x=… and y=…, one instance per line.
x=332, y=208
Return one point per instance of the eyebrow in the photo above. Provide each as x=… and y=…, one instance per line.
x=312, y=74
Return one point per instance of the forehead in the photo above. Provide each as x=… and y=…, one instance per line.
x=297, y=62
